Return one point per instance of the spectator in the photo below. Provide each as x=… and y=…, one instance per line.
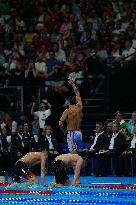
x=5, y=148
x=29, y=35
x=114, y=149
x=17, y=145
x=125, y=158
x=128, y=53
x=109, y=130
x=131, y=122
x=28, y=139
x=35, y=126
x=59, y=53
x=98, y=143
x=48, y=142
x=42, y=114
x=11, y=124
x=41, y=70
x=51, y=62
x=119, y=119
x=5, y=78
x=31, y=75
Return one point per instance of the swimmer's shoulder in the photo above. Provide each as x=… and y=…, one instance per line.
x=61, y=157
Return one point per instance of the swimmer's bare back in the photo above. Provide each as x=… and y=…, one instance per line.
x=33, y=158
x=73, y=118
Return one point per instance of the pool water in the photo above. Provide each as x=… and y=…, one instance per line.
x=92, y=190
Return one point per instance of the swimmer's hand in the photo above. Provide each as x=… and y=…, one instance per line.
x=51, y=185
x=71, y=81
x=33, y=181
x=76, y=182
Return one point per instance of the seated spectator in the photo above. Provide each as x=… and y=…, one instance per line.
x=96, y=68
x=29, y=35
x=115, y=55
x=59, y=53
x=17, y=145
x=131, y=122
x=40, y=68
x=51, y=62
x=128, y=53
x=42, y=18
x=119, y=119
x=101, y=52
x=22, y=118
x=2, y=122
x=28, y=139
x=49, y=142
x=114, y=149
x=43, y=53
x=99, y=142
x=125, y=158
x=134, y=41
x=118, y=29
x=11, y=124
x=18, y=73
x=130, y=29
x=109, y=131
x=35, y=126
x=5, y=148
x=66, y=27
x=55, y=77
x=31, y=75
x=85, y=38
x=5, y=78
x=20, y=24
x=19, y=45
x=2, y=54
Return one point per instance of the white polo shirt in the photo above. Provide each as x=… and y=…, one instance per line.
x=133, y=142
x=111, y=146
x=95, y=139
x=42, y=115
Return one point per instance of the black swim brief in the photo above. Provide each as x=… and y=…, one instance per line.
x=21, y=172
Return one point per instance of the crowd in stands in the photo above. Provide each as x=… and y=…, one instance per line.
x=43, y=43
x=50, y=40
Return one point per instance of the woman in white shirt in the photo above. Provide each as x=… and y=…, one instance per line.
x=42, y=114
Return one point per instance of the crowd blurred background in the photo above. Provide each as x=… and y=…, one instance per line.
x=45, y=42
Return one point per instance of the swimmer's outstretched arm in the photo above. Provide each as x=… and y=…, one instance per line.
x=43, y=161
x=77, y=93
x=77, y=171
